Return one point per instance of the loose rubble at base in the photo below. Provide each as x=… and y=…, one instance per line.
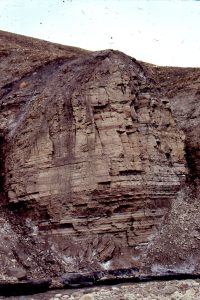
x=99, y=163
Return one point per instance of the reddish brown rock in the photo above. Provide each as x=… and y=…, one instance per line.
x=180, y=231
x=93, y=160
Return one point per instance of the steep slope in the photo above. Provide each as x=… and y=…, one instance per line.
x=181, y=87
x=20, y=57
x=92, y=162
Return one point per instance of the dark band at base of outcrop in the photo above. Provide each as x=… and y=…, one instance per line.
x=88, y=279
x=99, y=163
x=77, y=280
x=25, y=288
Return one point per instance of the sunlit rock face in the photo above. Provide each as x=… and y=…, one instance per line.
x=93, y=159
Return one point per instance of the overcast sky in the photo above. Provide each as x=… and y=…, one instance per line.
x=160, y=31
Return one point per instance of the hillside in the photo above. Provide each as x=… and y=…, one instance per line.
x=100, y=163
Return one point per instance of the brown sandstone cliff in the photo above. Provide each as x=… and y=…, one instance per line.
x=99, y=162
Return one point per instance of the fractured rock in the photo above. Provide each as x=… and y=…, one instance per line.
x=92, y=159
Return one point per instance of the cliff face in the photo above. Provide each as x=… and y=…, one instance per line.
x=181, y=86
x=93, y=162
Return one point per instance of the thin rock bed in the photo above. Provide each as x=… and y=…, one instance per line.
x=165, y=290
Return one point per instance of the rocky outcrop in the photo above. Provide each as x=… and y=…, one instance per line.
x=181, y=87
x=93, y=160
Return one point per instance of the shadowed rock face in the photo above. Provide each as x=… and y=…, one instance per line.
x=93, y=162
x=181, y=228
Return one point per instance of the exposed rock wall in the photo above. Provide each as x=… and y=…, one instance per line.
x=181, y=87
x=92, y=161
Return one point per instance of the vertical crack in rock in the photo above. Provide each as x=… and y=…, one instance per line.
x=95, y=162
x=85, y=165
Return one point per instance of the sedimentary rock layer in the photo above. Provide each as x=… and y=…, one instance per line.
x=92, y=159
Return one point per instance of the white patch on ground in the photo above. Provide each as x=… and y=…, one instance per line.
x=67, y=259
x=5, y=228
x=187, y=267
x=106, y=265
x=136, y=257
x=30, y=224
x=35, y=230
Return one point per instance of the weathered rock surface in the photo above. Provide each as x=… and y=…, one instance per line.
x=99, y=162
x=181, y=228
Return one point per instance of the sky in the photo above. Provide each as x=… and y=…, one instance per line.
x=161, y=32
